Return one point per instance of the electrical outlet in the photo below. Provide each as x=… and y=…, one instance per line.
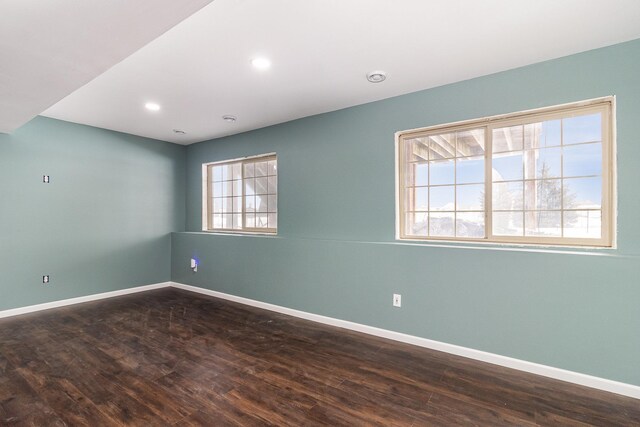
x=45, y=179
x=194, y=265
x=397, y=300
x=45, y=279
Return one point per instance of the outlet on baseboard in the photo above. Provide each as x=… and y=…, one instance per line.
x=45, y=279
x=397, y=300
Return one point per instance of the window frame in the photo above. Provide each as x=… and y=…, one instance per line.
x=605, y=105
x=207, y=195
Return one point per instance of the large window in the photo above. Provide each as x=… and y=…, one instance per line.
x=542, y=177
x=241, y=195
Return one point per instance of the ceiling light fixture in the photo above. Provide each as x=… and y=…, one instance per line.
x=179, y=132
x=261, y=63
x=152, y=106
x=376, y=76
x=229, y=119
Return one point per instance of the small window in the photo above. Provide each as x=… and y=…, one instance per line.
x=242, y=195
x=541, y=177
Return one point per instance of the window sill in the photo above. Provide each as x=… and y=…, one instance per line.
x=236, y=233
x=510, y=246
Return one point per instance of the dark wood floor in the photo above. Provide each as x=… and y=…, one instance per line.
x=170, y=357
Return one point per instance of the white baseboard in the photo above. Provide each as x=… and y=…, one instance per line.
x=78, y=300
x=496, y=359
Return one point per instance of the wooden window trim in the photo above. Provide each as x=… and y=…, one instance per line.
x=207, y=169
x=604, y=105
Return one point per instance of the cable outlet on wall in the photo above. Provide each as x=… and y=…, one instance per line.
x=45, y=279
x=397, y=300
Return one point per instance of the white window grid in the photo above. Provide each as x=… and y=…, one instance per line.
x=244, y=198
x=486, y=126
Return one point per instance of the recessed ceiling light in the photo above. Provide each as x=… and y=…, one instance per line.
x=229, y=119
x=376, y=76
x=179, y=132
x=152, y=106
x=261, y=63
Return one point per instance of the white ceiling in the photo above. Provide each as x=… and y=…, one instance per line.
x=321, y=51
x=48, y=49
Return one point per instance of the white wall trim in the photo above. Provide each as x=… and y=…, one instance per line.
x=496, y=359
x=78, y=300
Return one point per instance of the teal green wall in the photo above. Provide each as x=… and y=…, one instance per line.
x=336, y=255
x=105, y=223
x=102, y=224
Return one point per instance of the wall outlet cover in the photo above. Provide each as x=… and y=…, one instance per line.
x=397, y=300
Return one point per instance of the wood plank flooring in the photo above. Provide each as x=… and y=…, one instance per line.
x=174, y=358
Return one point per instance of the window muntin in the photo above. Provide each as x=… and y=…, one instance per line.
x=444, y=184
x=242, y=195
x=547, y=178
x=542, y=178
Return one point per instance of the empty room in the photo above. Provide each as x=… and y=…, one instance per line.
x=319, y=213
